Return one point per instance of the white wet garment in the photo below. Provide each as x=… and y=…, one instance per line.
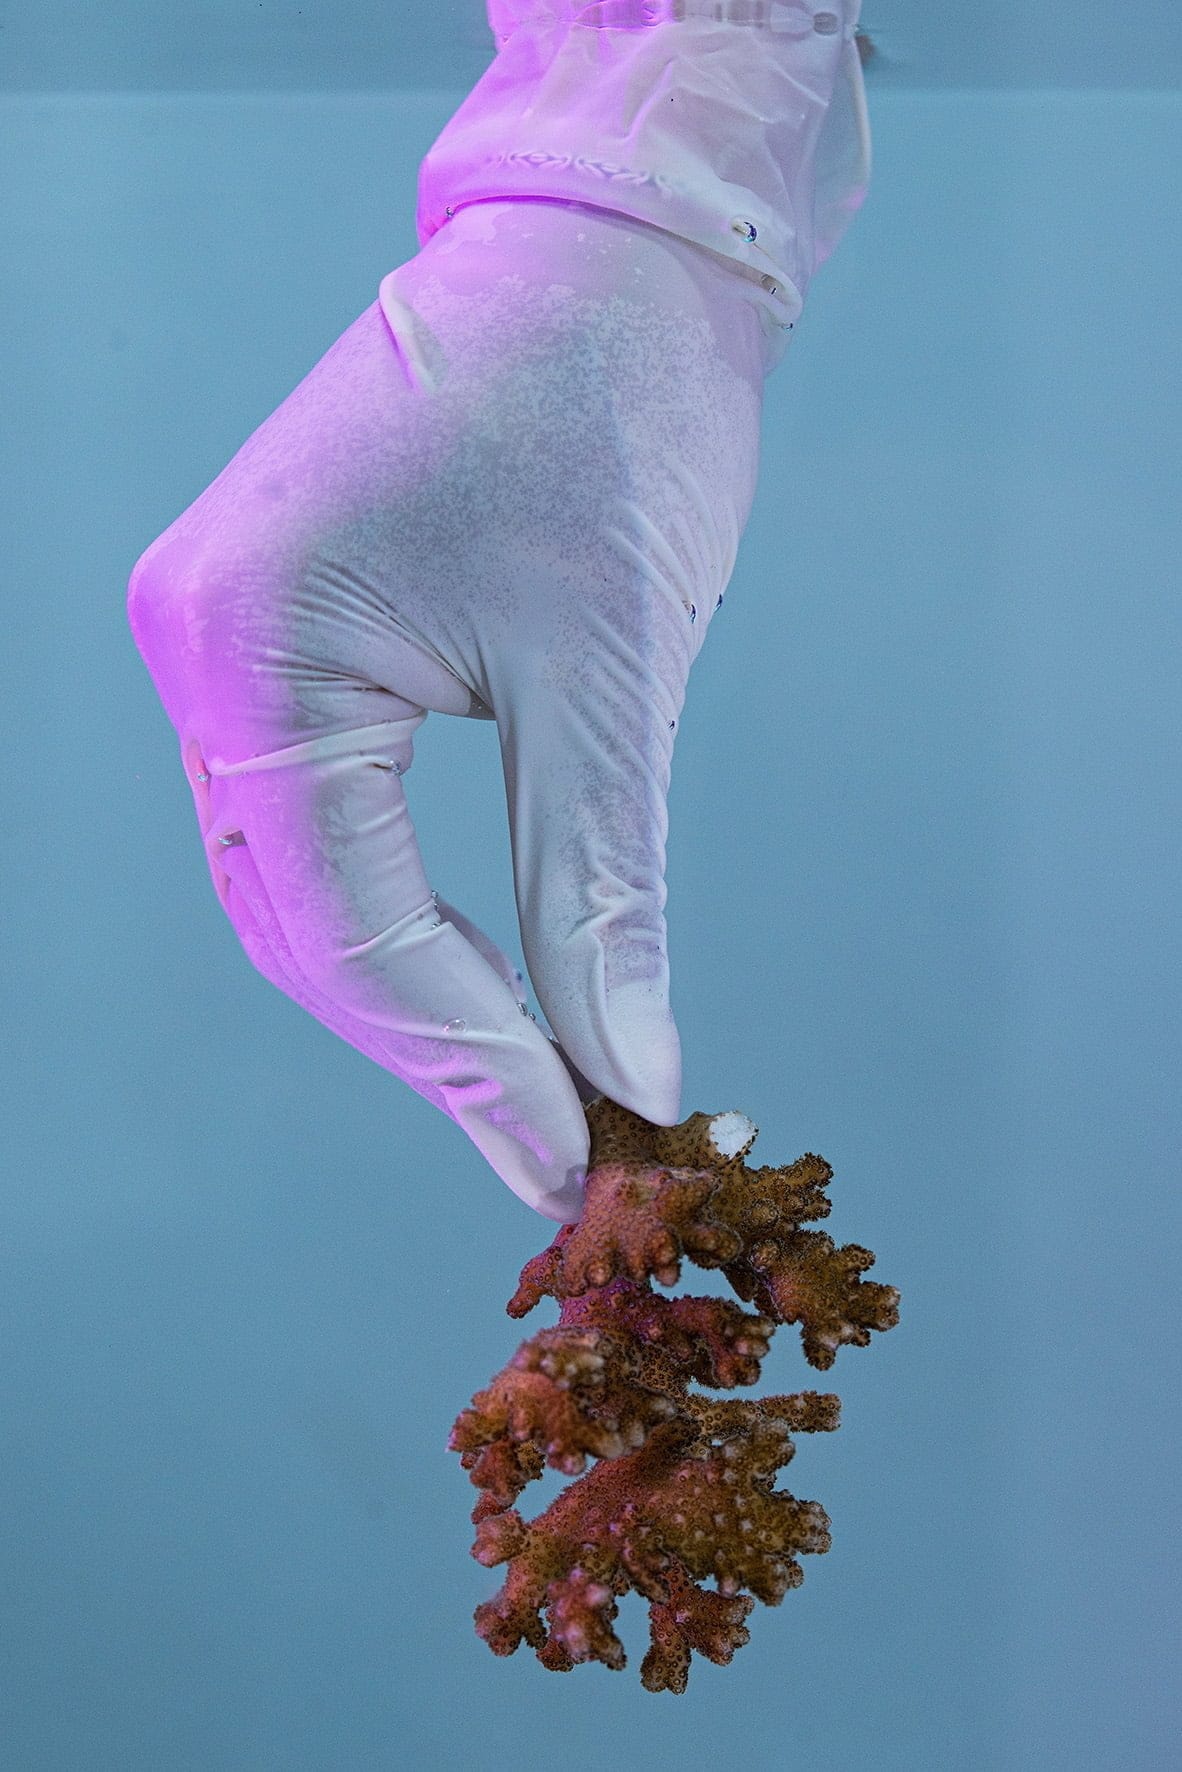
x=740, y=125
x=513, y=489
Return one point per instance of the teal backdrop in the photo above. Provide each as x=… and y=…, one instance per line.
x=923, y=919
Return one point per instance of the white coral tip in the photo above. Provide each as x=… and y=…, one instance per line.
x=732, y=1134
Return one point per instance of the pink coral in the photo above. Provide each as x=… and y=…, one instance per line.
x=682, y=1490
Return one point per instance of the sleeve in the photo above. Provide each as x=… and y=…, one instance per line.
x=740, y=125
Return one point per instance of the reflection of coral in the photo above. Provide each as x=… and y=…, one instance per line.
x=683, y=1491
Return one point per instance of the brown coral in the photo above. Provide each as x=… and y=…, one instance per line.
x=682, y=1490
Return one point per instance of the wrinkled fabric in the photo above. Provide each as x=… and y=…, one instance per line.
x=739, y=125
x=513, y=490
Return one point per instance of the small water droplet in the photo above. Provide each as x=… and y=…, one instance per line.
x=718, y=605
x=672, y=724
x=457, y=1026
x=389, y=763
x=693, y=612
x=232, y=841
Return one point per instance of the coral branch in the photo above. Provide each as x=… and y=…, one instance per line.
x=682, y=1492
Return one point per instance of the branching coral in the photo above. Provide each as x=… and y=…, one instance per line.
x=683, y=1488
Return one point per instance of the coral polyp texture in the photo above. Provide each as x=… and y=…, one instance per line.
x=682, y=1488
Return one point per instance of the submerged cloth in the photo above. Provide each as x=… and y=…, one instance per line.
x=521, y=500
x=740, y=125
